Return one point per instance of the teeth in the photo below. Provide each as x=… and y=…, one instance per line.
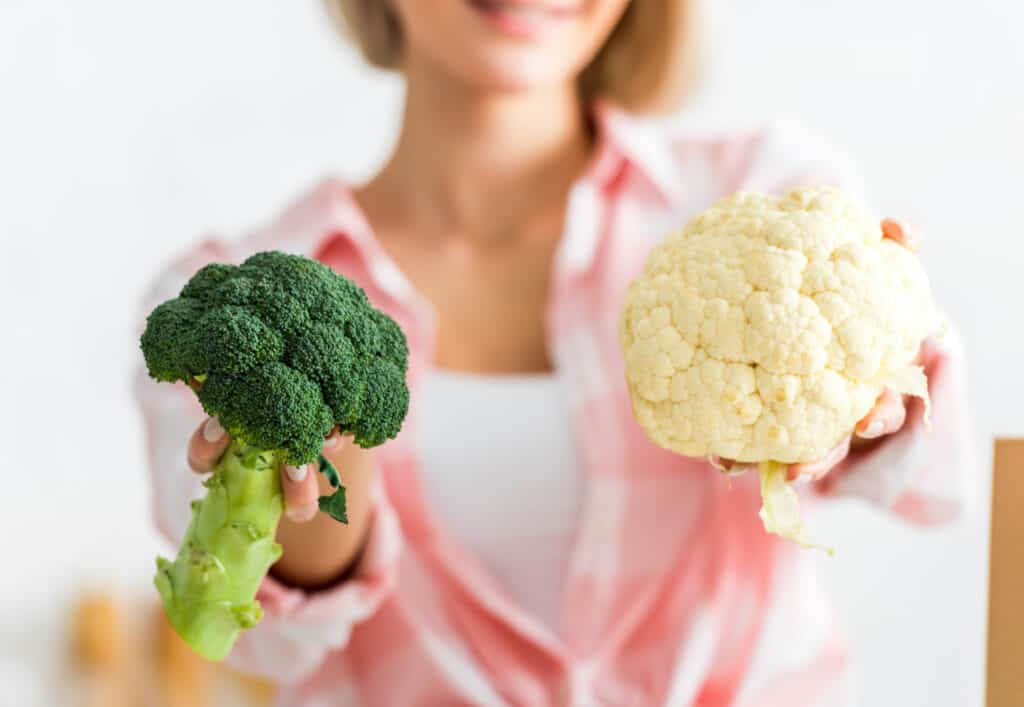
x=517, y=9
x=523, y=10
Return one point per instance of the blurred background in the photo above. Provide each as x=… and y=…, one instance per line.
x=128, y=130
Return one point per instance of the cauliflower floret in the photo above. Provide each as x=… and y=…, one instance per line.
x=767, y=327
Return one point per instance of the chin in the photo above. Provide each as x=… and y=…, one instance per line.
x=522, y=72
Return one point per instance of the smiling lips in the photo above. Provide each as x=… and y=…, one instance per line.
x=524, y=20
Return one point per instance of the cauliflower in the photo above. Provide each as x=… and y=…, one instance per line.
x=766, y=328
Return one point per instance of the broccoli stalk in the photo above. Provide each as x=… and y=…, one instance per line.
x=286, y=349
x=209, y=590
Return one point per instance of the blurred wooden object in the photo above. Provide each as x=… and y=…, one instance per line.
x=183, y=678
x=98, y=645
x=129, y=656
x=1005, y=668
x=97, y=635
x=257, y=691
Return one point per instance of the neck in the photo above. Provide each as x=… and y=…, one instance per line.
x=476, y=164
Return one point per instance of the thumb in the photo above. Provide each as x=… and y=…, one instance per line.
x=301, y=492
x=207, y=445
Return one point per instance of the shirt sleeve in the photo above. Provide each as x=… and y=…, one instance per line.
x=299, y=628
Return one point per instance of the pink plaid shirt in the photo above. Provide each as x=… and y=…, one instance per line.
x=674, y=595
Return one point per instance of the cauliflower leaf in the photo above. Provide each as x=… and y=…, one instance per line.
x=780, y=507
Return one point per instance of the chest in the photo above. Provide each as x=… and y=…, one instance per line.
x=490, y=300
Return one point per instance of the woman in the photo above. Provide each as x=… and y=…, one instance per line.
x=521, y=542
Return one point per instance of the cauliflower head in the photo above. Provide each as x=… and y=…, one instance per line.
x=767, y=327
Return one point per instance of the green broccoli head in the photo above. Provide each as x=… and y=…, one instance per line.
x=286, y=349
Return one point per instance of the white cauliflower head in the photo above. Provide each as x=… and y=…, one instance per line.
x=766, y=328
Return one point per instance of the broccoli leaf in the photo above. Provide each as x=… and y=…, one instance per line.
x=335, y=506
x=328, y=470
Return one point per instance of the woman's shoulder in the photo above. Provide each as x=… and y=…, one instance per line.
x=771, y=155
x=324, y=207
x=321, y=209
x=722, y=156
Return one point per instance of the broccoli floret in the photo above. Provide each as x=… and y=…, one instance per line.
x=172, y=349
x=207, y=279
x=272, y=406
x=393, y=346
x=329, y=357
x=229, y=321
x=234, y=340
x=381, y=391
x=285, y=349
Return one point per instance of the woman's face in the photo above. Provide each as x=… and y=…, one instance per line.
x=507, y=45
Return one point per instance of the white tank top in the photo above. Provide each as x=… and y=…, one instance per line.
x=502, y=473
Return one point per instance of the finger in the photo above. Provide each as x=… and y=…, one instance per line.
x=814, y=471
x=301, y=493
x=901, y=233
x=333, y=444
x=885, y=418
x=207, y=445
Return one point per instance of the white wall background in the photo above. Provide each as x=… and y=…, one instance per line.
x=127, y=129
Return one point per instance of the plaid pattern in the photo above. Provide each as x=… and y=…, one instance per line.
x=675, y=594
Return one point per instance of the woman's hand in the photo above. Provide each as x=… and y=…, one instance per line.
x=885, y=418
x=301, y=492
x=317, y=549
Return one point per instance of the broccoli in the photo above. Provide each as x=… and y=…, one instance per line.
x=284, y=349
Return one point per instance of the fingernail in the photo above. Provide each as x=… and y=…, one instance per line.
x=873, y=430
x=213, y=431
x=801, y=480
x=331, y=441
x=300, y=514
x=296, y=473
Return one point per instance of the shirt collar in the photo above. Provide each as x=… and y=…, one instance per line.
x=644, y=145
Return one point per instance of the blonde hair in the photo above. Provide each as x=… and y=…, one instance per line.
x=647, y=64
